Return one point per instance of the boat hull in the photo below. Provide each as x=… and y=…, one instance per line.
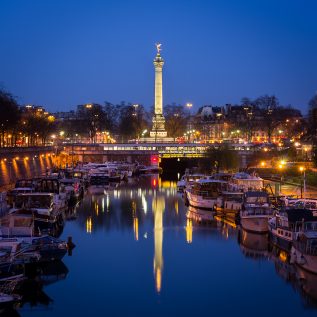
x=255, y=224
x=306, y=261
x=279, y=241
x=200, y=202
x=52, y=255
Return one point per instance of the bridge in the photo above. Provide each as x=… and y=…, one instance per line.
x=143, y=152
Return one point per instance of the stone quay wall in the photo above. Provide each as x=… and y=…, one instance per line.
x=24, y=162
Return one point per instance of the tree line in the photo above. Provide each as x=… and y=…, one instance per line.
x=18, y=126
x=128, y=121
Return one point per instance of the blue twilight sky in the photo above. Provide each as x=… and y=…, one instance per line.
x=60, y=53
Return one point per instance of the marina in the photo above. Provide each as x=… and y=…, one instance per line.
x=153, y=168
x=126, y=234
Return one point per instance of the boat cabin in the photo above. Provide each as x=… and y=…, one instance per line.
x=230, y=200
x=246, y=182
x=256, y=198
x=35, y=201
x=17, y=225
x=209, y=187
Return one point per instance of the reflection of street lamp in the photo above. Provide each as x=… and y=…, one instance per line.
x=303, y=180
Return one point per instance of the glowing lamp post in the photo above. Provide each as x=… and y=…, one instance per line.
x=189, y=107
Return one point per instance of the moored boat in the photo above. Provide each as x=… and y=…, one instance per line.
x=286, y=224
x=187, y=180
x=304, y=249
x=256, y=211
x=204, y=193
x=229, y=204
x=245, y=182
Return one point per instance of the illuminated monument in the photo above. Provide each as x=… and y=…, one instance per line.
x=158, y=132
x=158, y=128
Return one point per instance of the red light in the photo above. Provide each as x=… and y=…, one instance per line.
x=154, y=182
x=154, y=159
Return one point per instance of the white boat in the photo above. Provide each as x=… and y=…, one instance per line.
x=229, y=203
x=43, y=203
x=73, y=187
x=53, y=186
x=187, y=180
x=256, y=212
x=12, y=194
x=204, y=193
x=125, y=170
x=246, y=182
x=304, y=249
x=17, y=225
x=33, y=213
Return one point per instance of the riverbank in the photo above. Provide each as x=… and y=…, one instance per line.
x=292, y=176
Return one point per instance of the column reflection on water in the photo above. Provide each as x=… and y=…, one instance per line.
x=158, y=206
x=189, y=230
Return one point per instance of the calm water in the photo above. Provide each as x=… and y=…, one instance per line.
x=137, y=255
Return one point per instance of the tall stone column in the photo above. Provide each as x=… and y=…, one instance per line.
x=158, y=65
x=158, y=127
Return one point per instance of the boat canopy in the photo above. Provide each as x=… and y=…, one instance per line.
x=34, y=200
x=256, y=194
x=297, y=215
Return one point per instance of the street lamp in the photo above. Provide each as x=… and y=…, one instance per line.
x=189, y=105
x=135, y=106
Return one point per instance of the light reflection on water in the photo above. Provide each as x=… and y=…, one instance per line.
x=138, y=254
x=22, y=167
